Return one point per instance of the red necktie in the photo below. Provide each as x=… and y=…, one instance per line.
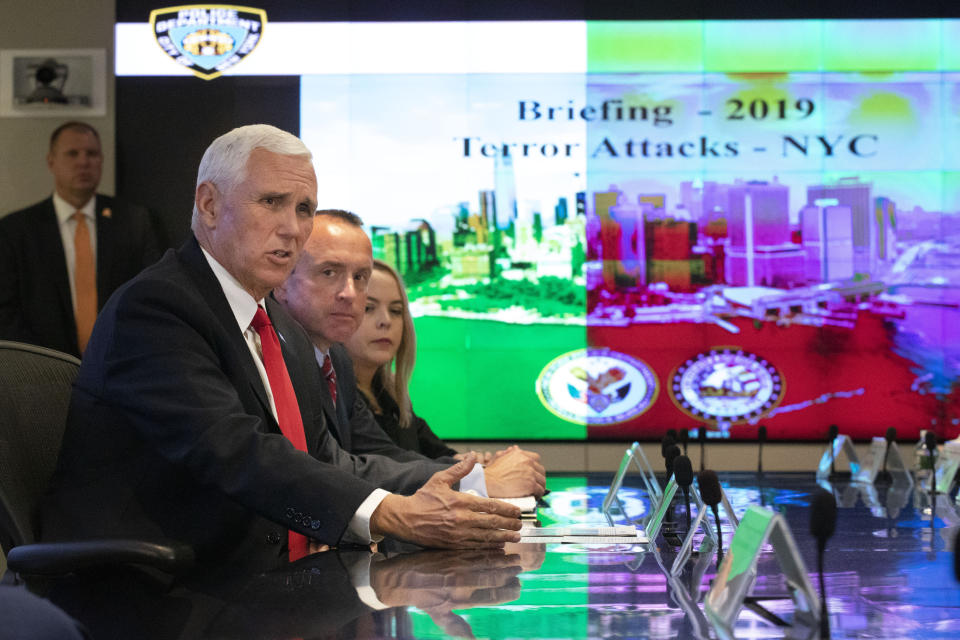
x=84, y=281
x=331, y=375
x=285, y=400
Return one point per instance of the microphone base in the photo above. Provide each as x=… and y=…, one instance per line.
x=840, y=476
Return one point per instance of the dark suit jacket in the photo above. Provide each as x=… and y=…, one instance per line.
x=356, y=428
x=35, y=302
x=417, y=436
x=170, y=434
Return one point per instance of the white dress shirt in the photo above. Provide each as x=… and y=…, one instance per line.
x=68, y=227
x=244, y=307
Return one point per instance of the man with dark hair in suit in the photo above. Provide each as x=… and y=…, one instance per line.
x=60, y=259
x=326, y=294
x=194, y=414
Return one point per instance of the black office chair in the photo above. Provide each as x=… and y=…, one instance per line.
x=35, y=387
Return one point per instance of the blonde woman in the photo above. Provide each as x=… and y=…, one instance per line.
x=383, y=350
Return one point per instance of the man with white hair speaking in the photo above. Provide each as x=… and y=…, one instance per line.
x=194, y=415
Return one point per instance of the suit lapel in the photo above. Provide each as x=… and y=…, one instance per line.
x=304, y=375
x=212, y=292
x=105, y=247
x=49, y=251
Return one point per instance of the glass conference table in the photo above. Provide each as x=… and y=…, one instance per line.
x=889, y=573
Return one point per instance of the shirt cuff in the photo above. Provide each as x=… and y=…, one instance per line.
x=475, y=482
x=359, y=528
x=360, y=577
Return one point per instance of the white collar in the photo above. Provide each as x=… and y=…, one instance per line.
x=64, y=209
x=242, y=304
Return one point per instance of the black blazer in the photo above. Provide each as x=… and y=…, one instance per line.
x=170, y=433
x=35, y=302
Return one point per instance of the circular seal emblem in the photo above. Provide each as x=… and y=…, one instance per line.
x=726, y=385
x=597, y=386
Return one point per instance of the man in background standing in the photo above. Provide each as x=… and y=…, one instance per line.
x=61, y=258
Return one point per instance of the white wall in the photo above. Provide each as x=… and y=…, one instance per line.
x=55, y=24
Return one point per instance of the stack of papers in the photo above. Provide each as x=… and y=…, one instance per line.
x=527, y=504
x=618, y=534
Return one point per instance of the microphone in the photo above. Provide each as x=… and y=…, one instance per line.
x=702, y=437
x=930, y=441
x=884, y=476
x=670, y=458
x=823, y=522
x=761, y=438
x=665, y=444
x=683, y=472
x=673, y=434
x=956, y=556
x=685, y=439
x=711, y=493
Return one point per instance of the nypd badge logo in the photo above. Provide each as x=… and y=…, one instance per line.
x=208, y=39
x=726, y=386
x=597, y=387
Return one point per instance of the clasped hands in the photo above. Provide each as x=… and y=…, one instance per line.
x=439, y=517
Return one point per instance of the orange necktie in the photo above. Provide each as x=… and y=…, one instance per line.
x=84, y=281
x=285, y=400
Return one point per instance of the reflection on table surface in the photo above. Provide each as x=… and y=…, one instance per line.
x=889, y=574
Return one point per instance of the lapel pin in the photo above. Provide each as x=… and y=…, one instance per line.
x=107, y=213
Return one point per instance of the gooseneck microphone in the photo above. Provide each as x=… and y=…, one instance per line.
x=823, y=522
x=761, y=438
x=670, y=459
x=683, y=472
x=711, y=493
x=665, y=444
x=930, y=441
x=673, y=435
x=684, y=439
x=884, y=476
x=702, y=437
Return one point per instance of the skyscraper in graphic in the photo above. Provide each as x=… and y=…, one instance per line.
x=852, y=193
x=505, y=186
x=488, y=208
x=827, y=231
x=633, y=251
x=885, y=219
x=560, y=211
x=604, y=235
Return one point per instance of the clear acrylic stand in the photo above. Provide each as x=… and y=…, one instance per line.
x=699, y=522
x=841, y=445
x=737, y=574
x=947, y=466
x=899, y=472
x=655, y=494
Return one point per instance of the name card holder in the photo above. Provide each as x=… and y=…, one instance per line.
x=947, y=466
x=738, y=573
x=700, y=521
x=842, y=445
x=652, y=487
x=899, y=472
x=686, y=593
x=656, y=520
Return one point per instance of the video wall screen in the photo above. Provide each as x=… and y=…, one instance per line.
x=608, y=229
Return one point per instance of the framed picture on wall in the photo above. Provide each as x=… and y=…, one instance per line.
x=53, y=82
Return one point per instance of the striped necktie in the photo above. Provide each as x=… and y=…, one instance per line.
x=331, y=375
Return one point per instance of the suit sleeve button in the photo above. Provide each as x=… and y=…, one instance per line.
x=314, y=524
x=273, y=537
